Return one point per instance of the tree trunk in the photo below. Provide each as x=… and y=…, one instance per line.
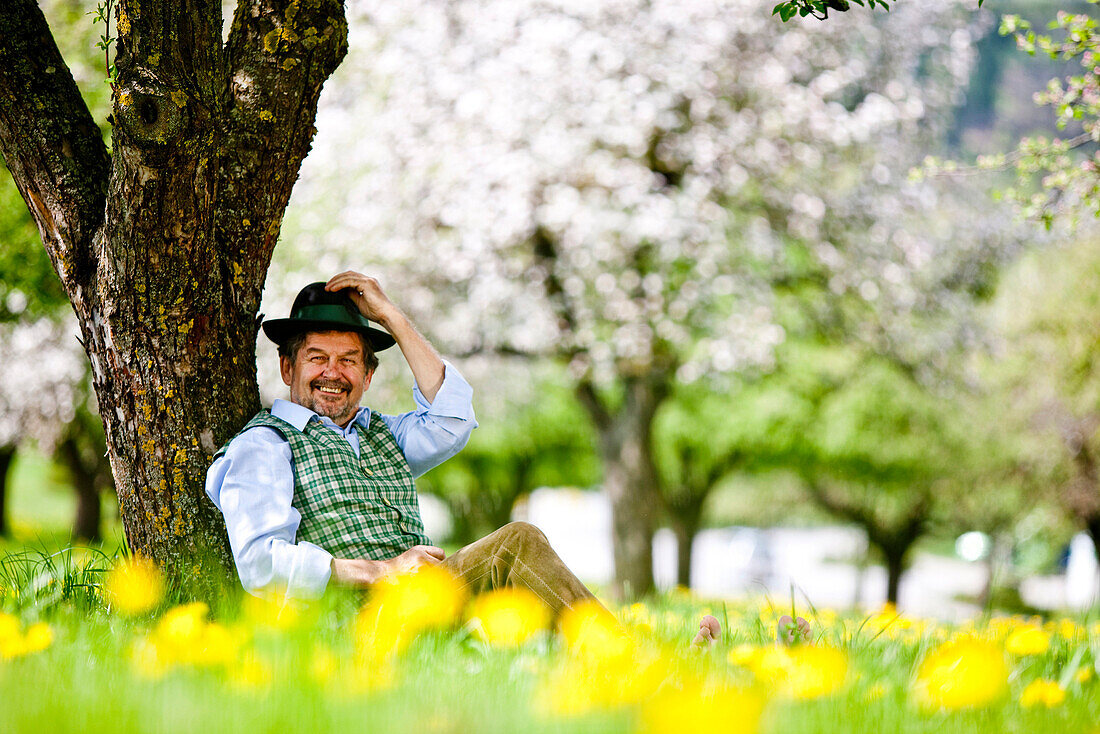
x=85, y=482
x=686, y=529
x=895, y=567
x=893, y=539
x=629, y=477
x=7, y=455
x=1093, y=528
x=164, y=246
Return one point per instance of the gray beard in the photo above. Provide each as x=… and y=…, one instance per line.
x=336, y=417
x=323, y=409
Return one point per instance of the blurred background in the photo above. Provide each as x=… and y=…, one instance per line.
x=682, y=253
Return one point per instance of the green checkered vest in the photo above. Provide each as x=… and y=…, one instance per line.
x=353, y=507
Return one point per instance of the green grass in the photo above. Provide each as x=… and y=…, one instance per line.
x=89, y=677
x=450, y=680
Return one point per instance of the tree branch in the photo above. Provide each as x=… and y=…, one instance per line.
x=594, y=404
x=279, y=54
x=546, y=255
x=50, y=142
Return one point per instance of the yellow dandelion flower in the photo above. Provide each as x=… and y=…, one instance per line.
x=135, y=585
x=14, y=643
x=181, y=627
x=1000, y=627
x=1027, y=640
x=12, y=646
x=509, y=617
x=687, y=709
x=816, y=672
x=743, y=655
x=1068, y=629
x=1084, y=675
x=184, y=636
x=403, y=606
x=961, y=674
x=805, y=673
x=429, y=598
x=887, y=623
x=273, y=613
x=217, y=645
x=1042, y=693
x=9, y=626
x=251, y=673
x=39, y=636
x=584, y=684
x=588, y=629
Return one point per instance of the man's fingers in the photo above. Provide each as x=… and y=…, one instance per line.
x=343, y=280
x=433, y=551
x=357, y=281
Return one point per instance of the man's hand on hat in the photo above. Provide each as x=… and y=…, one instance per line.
x=367, y=295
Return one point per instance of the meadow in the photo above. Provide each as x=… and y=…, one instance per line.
x=92, y=643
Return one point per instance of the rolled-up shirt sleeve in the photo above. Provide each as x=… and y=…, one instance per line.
x=252, y=484
x=437, y=430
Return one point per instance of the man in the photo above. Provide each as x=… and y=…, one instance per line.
x=319, y=490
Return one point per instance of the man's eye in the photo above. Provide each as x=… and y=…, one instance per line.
x=348, y=360
x=317, y=358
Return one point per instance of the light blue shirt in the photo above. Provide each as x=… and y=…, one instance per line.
x=252, y=483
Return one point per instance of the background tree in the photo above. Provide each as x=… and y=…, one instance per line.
x=540, y=190
x=1048, y=362
x=162, y=244
x=870, y=445
x=693, y=454
x=40, y=391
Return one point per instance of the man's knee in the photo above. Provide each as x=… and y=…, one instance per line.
x=525, y=532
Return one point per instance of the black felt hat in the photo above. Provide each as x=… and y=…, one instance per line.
x=316, y=309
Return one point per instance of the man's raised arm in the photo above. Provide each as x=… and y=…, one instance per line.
x=427, y=367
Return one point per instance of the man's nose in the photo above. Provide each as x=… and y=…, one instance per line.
x=330, y=368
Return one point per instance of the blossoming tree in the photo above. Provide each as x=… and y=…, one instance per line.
x=617, y=185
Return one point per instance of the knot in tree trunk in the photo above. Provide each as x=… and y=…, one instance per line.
x=150, y=117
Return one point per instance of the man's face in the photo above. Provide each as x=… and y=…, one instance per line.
x=328, y=375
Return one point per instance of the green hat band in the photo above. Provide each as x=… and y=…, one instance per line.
x=329, y=312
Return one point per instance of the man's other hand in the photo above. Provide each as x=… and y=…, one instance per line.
x=362, y=572
x=414, y=558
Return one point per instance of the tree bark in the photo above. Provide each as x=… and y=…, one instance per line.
x=164, y=246
x=630, y=476
x=7, y=455
x=685, y=529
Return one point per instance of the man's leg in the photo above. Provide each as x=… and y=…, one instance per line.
x=519, y=555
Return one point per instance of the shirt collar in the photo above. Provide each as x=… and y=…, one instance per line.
x=299, y=415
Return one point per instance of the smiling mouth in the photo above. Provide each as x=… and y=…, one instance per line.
x=329, y=390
